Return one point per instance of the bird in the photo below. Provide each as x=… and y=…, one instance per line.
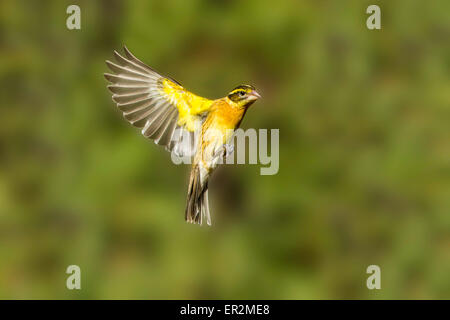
x=179, y=120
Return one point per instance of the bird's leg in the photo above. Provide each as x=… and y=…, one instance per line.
x=223, y=152
x=228, y=150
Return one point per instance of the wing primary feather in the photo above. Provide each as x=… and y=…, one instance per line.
x=131, y=57
x=166, y=134
x=155, y=121
x=125, y=62
x=129, y=98
x=139, y=62
x=121, y=89
x=164, y=121
x=131, y=107
x=144, y=119
x=137, y=106
x=150, y=113
x=124, y=80
x=124, y=70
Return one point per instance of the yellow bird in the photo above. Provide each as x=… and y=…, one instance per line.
x=167, y=113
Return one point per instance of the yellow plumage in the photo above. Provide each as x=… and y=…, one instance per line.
x=189, y=105
x=165, y=112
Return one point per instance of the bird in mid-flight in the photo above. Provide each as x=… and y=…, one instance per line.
x=167, y=113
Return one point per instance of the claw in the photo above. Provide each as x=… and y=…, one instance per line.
x=228, y=150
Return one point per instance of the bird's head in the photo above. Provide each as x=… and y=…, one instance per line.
x=244, y=96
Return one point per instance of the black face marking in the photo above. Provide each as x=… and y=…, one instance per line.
x=245, y=87
x=237, y=95
x=240, y=93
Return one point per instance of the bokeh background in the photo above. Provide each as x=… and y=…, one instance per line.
x=364, y=152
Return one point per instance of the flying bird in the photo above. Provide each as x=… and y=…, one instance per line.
x=167, y=113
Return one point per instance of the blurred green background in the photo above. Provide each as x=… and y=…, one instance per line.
x=364, y=152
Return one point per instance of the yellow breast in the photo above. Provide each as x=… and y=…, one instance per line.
x=218, y=128
x=226, y=115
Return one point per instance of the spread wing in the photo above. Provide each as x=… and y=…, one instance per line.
x=160, y=106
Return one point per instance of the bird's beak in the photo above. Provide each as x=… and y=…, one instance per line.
x=254, y=95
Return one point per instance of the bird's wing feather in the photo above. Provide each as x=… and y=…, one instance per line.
x=160, y=106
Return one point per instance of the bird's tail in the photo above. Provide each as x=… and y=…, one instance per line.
x=197, y=207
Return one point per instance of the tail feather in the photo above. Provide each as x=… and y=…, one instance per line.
x=197, y=207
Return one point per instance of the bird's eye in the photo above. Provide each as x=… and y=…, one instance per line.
x=241, y=93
